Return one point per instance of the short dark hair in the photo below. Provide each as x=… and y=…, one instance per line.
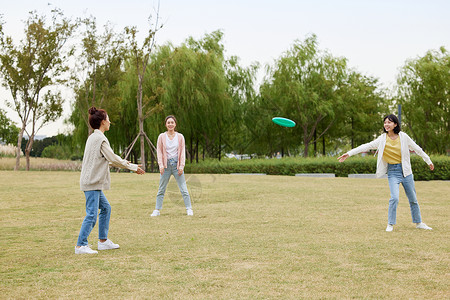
x=393, y=118
x=96, y=116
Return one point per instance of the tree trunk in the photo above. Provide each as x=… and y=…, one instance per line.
x=315, y=142
x=196, y=152
x=28, y=151
x=192, y=149
x=220, y=146
x=305, y=152
x=19, y=148
x=323, y=145
x=143, y=152
x=152, y=163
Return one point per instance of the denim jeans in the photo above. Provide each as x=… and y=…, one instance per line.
x=95, y=200
x=395, y=177
x=164, y=180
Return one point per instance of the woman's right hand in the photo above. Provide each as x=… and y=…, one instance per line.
x=343, y=157
x=161, y=171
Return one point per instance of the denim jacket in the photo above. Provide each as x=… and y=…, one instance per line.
x=406, y=144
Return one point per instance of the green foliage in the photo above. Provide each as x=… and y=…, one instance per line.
x=31, y=67
x=304, y=85
x=292, y=166
x=424, y=85
x=62, y=152
x=8, y=131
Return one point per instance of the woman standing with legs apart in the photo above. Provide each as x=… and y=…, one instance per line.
x=95, y=178
x=171, y=161
x=393, y=157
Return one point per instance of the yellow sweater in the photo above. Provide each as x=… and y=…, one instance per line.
x=392, y=151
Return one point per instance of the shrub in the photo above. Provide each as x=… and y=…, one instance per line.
x=292, y=166
x=57, y=151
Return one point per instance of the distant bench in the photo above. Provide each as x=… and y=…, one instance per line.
x=248, y=174
x=371, y=176
x=316, y=175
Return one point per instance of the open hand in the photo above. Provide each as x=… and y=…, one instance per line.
x=140, y=171
x=343, y=157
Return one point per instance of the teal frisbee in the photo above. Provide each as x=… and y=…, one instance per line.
x=283, y=122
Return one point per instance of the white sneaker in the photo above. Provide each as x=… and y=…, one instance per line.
x=189, y=212
x=155, y=213
x=423, y=226
x=107, y=245
x=389, y=228
x=84, y=250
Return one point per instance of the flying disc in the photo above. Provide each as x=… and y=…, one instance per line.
x=283, y=122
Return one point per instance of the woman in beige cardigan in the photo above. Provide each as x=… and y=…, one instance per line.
x=393, y=148
x=171, y=160
x=95, y=178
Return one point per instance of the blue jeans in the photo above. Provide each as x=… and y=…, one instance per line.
x=95, y=200
x=395, y=177
x=164, y=180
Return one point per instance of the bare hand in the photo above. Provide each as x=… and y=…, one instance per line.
x=343, y=157
x=140, y=171
x=180, y=172
x=161, y=171
x=431, y=167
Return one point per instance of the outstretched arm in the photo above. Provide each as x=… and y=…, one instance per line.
x=117, y=161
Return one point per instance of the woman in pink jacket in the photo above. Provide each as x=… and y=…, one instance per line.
x=171, y=161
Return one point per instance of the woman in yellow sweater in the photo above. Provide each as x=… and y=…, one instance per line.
x=393, y=148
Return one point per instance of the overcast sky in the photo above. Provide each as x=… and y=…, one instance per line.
x=376, y=36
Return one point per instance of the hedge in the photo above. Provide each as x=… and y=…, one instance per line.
x=292, y=166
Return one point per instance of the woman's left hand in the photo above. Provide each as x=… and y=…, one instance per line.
x=431, y=167
x=180, y=171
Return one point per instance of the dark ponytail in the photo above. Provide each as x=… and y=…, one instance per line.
x=96, y=116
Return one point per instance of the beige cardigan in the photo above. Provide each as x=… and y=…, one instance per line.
x=162, y=151
x=98, y=156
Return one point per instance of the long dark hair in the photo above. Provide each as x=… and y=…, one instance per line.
x=393, y=118
x=96, y=116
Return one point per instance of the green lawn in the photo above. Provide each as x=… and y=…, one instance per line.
x=251, y=237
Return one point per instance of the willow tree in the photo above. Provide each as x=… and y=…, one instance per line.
x=423, y=91
x=31, y=70
x=241, y=88
x=305, y=85
x=195, y=90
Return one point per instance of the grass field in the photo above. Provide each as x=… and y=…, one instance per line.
x=251, y=237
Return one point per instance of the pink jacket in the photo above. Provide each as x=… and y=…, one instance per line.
x=162, y=151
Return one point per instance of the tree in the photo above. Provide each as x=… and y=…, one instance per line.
x=423, y=92
x=195, y=90
x=365, y=104
x=306, y=85
x=31, y=69
x=140, y=56
x=241, y=88
x=8, y=131
x=97, y=74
